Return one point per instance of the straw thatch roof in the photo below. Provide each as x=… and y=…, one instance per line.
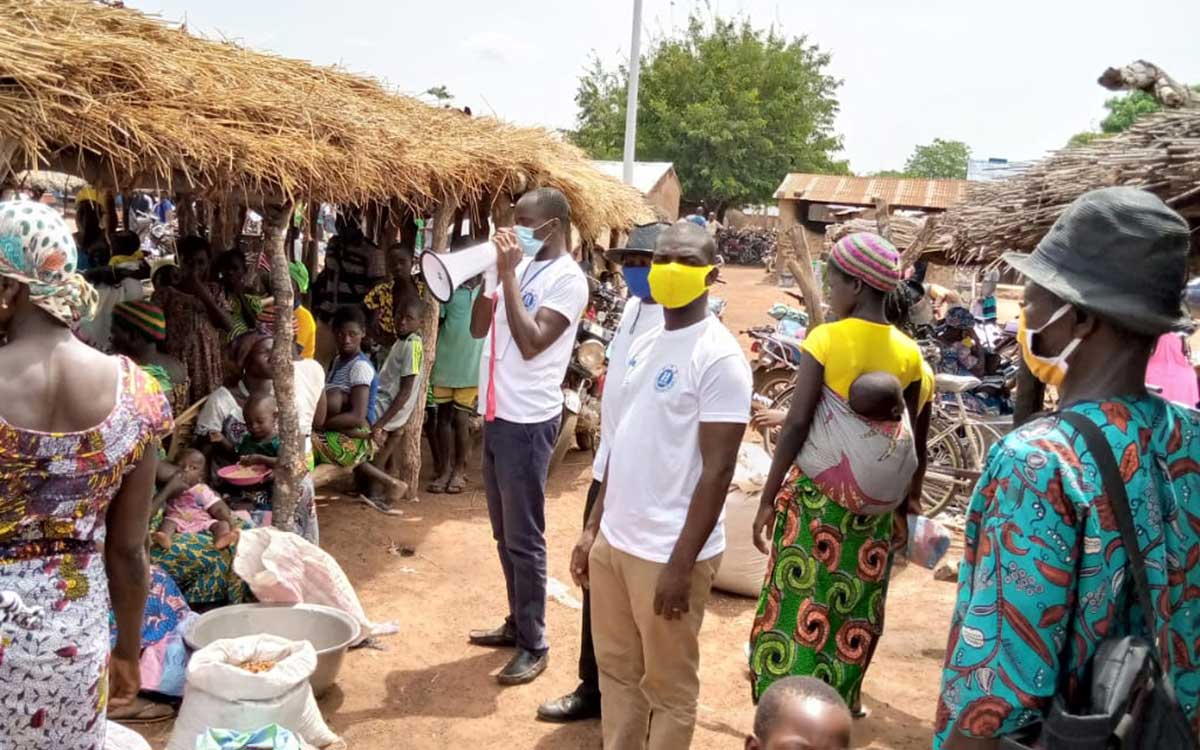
x=1160, y=153
x=125, y=99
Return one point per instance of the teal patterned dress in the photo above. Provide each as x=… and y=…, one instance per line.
x=1043, y=574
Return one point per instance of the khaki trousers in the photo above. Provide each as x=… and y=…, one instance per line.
x=649, y=666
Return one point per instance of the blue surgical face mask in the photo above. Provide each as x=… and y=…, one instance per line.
x=637, y=278
x=530, y=245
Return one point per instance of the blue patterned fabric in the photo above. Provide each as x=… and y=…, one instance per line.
x=1043, y=574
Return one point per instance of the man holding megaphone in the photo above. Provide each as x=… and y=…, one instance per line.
x=529, y=324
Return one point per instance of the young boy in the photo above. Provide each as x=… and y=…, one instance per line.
x=400, y=390
x=878, y=397
x=800, y=713
x=260, y=445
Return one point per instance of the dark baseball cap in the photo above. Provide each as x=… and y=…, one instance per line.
x=641, y=241
x=1120, y=253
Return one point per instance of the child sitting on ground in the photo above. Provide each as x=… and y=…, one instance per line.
x=878, y=397
x=800, y=712
x=260, y=445
x=192, y=506
x=400, y=391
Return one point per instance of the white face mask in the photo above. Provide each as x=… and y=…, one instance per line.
x=1049, y=370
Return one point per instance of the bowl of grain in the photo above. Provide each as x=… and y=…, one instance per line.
x=329, y=630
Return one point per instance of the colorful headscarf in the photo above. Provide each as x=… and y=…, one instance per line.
x=299, y=274
x=869, y=258
x=142, y=316
x=37, y=249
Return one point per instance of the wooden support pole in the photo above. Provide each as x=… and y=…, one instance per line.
x=410, y=446
x=802, y=269
x=311, y=237
x=290, y=469
x=185, y=214
x=883, y=218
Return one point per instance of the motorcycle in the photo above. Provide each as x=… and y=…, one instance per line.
x=584, y=380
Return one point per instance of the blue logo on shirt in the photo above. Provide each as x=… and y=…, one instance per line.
x=528, y=300
x=665, y=378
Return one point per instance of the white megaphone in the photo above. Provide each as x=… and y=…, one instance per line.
x=445, y=272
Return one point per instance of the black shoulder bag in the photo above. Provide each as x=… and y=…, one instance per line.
x=1126, y=701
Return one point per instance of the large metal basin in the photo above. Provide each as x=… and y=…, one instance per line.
x=329, y=630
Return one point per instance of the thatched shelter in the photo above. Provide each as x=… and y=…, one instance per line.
x=1161, y=153
x=127, y=100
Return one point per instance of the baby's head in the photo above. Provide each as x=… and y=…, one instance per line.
x=260, y=413
x=878, y=397
x=800, y=712
x=192, y=466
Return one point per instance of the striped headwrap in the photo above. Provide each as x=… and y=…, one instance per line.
x=142, y=316
x=869, y=258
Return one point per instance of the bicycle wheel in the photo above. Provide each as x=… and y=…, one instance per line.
x=945, y=460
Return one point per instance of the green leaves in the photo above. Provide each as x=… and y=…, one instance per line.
x=940, y=159
x=734, y=107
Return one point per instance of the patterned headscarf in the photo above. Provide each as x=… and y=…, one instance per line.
x=869, y=258
x=37, y=249
x=142, y=316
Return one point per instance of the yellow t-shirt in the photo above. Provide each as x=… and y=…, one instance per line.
x=306, y=333
x=851, y=347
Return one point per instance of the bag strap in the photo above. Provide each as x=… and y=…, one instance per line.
x=1118, y=500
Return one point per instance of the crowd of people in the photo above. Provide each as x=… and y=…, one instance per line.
x=99, y=523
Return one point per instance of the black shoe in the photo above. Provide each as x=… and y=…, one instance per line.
x=502, y=637
x=576, y=706
x=523, y=668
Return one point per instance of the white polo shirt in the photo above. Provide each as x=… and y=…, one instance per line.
x=685, y=377
x=639, y=322
x=529, y=391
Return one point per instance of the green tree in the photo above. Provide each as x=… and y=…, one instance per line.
x=734, y=107
x=940, y=159
x=1124, y=110
x=441, y=94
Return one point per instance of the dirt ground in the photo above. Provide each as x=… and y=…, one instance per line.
x=430, y=689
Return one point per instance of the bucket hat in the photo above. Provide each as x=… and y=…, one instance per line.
x=641, y=241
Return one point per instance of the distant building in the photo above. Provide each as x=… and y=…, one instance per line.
x=656, y=180
x=990, y=170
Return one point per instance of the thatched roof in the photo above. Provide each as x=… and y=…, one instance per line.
x=124, y=98
x=1161, y=153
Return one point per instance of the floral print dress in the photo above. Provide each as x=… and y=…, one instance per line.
x=54, y=495
x=1043, y=575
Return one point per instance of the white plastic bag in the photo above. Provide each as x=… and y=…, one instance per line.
x=118, y=737
x=221, y=694
x=742, y=566
x=284, y=568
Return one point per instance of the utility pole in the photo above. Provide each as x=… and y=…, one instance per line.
x=631, y=106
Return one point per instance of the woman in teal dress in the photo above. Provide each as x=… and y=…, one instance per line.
x=1043, y=581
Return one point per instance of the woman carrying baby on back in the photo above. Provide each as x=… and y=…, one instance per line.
x=845, y=472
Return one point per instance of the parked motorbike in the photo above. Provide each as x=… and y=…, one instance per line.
x=584, y=380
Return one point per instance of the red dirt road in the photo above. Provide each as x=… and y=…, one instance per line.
x=430, y=689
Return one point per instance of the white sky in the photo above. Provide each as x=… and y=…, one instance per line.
x=1012, y=78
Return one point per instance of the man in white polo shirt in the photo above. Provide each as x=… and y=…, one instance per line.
x=653, y=543
x=529, y=341
x=641, y=317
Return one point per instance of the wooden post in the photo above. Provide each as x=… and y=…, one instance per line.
x=185, y=214
x=291, y=468
x=310, y=244
x=410, y=446
x=883, y=218
x=802, y=269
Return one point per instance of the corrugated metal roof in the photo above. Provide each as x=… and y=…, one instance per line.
x=861, y=191
x=646, y=174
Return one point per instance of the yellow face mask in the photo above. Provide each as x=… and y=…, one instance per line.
x=1049, y=370
x=675, y=285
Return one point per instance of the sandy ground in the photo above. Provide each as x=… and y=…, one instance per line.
x=430, y=689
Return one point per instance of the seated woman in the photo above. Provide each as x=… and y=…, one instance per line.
x=137, y=330
x=350, y=394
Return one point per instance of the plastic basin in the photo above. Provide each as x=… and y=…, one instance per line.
x=329, y=630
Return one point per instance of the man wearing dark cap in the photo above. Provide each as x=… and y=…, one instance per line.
x=1047, y=573
x=641, y=319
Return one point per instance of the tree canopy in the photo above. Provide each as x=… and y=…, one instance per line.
x=1123, y=112
x=940, y=159
x=734, y=107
